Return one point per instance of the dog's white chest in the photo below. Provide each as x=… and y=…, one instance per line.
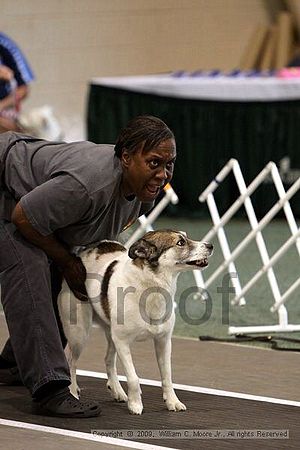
x=152, y=332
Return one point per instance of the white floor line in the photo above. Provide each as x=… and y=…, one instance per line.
x=198, y=389
x=81, y=435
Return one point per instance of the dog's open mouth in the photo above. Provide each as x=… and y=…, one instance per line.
x=198, y=262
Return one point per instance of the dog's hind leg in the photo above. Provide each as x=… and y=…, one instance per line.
x=72, y=358
x=163, y=354
x=76, y=318
x=135, y=404
x=113, y=383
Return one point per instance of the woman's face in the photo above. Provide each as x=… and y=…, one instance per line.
x=145, y=173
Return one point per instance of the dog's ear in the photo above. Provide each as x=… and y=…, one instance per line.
x=144, y=250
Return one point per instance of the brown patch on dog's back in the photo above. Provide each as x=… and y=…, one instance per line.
x=104, y=288
x=109, y=247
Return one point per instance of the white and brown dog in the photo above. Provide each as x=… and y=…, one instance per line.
x=131, y=295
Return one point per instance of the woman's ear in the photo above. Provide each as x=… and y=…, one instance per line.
x=125, y=158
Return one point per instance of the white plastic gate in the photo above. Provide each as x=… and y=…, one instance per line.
x=271, y=172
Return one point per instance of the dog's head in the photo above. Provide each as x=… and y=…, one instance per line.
x=169, y=248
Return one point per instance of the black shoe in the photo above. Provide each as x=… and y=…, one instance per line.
x=63, y=404
x=10, y=376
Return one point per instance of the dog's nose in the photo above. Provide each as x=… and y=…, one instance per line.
x=209, y=246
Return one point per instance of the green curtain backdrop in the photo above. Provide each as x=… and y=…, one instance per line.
x=208, y=134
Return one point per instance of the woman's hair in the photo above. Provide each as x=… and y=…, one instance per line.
x=147, y=130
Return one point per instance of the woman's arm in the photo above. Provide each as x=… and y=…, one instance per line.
x=72, y=267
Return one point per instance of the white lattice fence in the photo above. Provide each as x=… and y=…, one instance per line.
x=271, y=172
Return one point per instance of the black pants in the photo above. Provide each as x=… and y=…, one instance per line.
x=29, y=289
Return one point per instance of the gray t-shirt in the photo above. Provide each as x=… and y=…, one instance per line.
x=72, y=189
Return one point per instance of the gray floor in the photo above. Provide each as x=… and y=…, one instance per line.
x=212, y=365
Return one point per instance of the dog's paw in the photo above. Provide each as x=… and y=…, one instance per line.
x=120, y=397
x=117, y=392
x=135, y=407
x=175, y=404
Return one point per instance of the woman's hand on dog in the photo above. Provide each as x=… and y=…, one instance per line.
x=74, y=273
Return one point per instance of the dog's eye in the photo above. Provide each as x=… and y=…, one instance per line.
x=181, y=242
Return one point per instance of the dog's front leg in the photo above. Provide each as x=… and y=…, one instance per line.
x=163, y=349
x=135, y=404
